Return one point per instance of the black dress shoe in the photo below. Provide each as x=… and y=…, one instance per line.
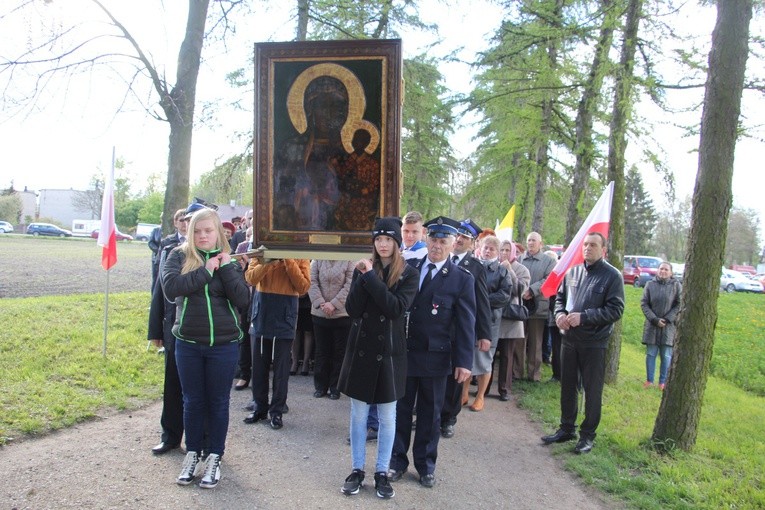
x=285, y=409
x=334, y=395
x=276, y=422
x=394, y=475
x=504, y=397
x=584, y=446
x=428, y=480
x=255, y=417
x=560, y=436
x=304, y=373
x=241, y=384
x=447, y=431
x=319, y=393
x=164, y=447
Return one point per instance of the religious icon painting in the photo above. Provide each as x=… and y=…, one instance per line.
x=327, y=143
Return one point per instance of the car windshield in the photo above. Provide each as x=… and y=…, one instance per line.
x=652, y=263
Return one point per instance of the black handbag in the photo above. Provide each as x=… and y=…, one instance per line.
x=516, y=311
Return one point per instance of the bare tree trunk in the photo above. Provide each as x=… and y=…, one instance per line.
x=617, y=145
x=178, y=106
x=583, y=145
x=382, y=25
x=678, y=419
x=542, y=152
x=302, y=24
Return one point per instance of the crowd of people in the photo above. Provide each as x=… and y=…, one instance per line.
x=408, y=334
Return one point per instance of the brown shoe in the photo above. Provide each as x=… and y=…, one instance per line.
x=477, y=405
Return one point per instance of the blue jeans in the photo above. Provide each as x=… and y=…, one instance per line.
x=206, y=373
x=651, y=352
x=387, y=416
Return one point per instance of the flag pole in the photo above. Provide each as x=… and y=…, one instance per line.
x=107, y=209
x=106, y=312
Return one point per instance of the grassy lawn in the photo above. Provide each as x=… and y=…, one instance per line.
x=54, y=375
x=726, y=468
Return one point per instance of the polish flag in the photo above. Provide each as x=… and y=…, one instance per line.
x=107, y=236
x=599, y=221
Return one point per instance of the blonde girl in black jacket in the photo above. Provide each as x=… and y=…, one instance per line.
x=208, y=289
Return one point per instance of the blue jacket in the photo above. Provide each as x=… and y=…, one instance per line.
x=441, y=323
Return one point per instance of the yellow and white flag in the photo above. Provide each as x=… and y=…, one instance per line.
x=505, y=228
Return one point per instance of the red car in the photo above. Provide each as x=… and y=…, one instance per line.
x=639, y=269
x=120, y=235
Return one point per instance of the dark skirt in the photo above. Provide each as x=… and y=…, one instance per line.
x=304, y=321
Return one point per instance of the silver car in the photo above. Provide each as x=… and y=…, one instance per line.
x=732, y=281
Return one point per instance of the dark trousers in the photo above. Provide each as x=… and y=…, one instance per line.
x=546, y=343
x=555, y=361
x=590, y=362
x=534, y=330
x=245, y=359
x=331, y=337
x=206, y=373
x=452, y=402
x=266, y=351
x=518, y=357
x=372, y=421
x=172, y=398
x=428, y=392
x=509, y=349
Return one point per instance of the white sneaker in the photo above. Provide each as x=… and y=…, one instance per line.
x=189, y=467
x=211, y=476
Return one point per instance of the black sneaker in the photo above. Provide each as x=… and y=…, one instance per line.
x=354, y=482
x=382, y=486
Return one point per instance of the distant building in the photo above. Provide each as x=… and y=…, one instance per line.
x=227, y=211
x=28, y=208
x=58, y=205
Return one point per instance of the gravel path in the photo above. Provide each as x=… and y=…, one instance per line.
x=495, y=460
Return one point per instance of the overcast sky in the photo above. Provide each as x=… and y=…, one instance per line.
x=68, y=137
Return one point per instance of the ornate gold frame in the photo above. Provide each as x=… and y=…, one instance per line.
x=288, y=164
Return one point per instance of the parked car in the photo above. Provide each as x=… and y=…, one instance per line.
x=120, y=235
x=678, y=270
x=5, y=227
x=47, y=229
x=639, y=269
x=732, y=281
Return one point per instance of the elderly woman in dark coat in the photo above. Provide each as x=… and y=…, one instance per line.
x=660, y=304
x=374, y=367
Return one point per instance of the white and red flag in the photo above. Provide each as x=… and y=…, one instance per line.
x=107, y=236
x=599, y=221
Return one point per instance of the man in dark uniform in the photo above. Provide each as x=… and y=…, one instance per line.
x=161, y=320
x=440, y=337
x=456, y=394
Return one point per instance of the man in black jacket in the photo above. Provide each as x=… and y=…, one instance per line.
x=589, y=301
x=161, y=320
